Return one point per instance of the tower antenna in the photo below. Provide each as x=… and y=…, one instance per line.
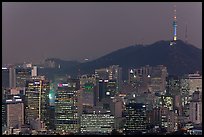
x=175, y=24
x=174, y=28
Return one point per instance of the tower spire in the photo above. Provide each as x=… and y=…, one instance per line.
x=173, y=42
x=174, y=25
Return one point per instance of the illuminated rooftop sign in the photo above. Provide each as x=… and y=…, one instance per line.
x=62, y=85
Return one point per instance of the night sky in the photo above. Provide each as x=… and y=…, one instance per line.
x=32, y=31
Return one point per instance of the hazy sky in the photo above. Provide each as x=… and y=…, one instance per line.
x=33, y=31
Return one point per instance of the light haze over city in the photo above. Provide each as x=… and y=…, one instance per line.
x=35, y=31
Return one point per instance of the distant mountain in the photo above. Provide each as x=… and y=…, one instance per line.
x=63, y=64
x=179, y=59
x=66, y=67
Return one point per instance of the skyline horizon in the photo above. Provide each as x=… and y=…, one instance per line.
x=83, y=61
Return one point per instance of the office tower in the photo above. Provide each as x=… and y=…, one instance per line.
x=173, y=85
x=12, y=77
x=5, y=77
x=195, y=82
x=36, y=99
x=158, y=78
x=184, y=92
x=4, y=108
x=96, y=121
x=177, y=104
x=15, y=111
x=102, y=88
x=115, y=107
x=148, y=78
x=89, y=94
x=136, y=121
x=113, y=72
x=66, y=105
x=22, y=75
x=196, y=108
x=34, y=71
x=102, y=73
x=164, y=118
x=107, y=89
x=51, y=107
x=111, y=89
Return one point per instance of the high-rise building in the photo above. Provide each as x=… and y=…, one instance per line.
x=164, y=118
x=115, y=107
x=34, y=71
x=89, y=94
x=36, y=99
x=4, y=108
x=196, y=108
x=102, y=88
x=15, y=111
x=102, y=73
x=113, y=72
x=12, y=77
x=195, y=82
x=111, y=88
x=136, y=120
x=51, y=107
x=22, y=75
x=5, y=77
x=97, y=122
x=185, y=97
x=66, y=105
x=148, y=78
x=107, y=89
x=173, y=86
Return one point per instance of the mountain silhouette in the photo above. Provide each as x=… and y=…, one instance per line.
x=180, y=58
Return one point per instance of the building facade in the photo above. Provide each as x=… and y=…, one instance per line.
x=66, y=106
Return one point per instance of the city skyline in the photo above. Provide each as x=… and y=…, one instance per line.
x=36, y=31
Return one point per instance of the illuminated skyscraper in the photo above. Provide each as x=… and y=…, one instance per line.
x=89, y=94
x=96, y=122
x=66, y=102
x=37, y=99
x=196, y=108
x=136, y=121
x=15, y=111
x=113, y=72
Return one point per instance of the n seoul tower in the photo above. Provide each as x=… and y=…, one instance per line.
x=174, y=27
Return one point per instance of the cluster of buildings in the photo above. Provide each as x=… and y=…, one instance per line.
x=149, y=102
